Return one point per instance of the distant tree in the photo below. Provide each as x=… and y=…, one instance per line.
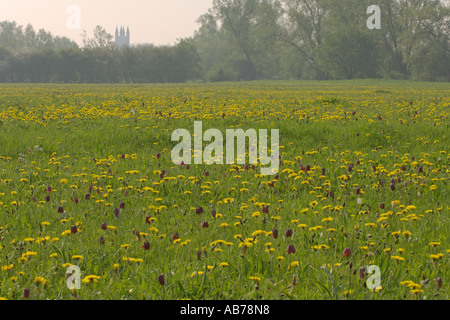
x=303, y=27
x=348, y=53
x=11, y=36
x=30, y=41
x=187, y=61
x=19, y=40
x=408, y=26
x=5, y=65
x=236, y=18
x=67, y=65
x=40, y=66
x=64, y=43
x=425, y=42
x=237, y=40
x=101, y=39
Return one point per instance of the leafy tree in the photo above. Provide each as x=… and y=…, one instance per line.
x=101, y=39
x=237, y=39
x=5, y=65
x=19, y=40
x=348, y=54
x=303, y=25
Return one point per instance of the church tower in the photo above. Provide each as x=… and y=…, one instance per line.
x=122, y=38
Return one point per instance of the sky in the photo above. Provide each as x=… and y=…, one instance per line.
x=159, y=22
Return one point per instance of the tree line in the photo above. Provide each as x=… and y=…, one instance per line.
x=249, y=40
x=27, y=56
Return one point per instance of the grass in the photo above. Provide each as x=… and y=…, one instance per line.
x=106, y=140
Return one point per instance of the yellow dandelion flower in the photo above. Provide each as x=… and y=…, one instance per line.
x=91, y=279
x=407, y=234
x=398, y=258
x=416, y=291
x=293, y=264
x=256, y=279
x=257, y=233
x=38, y=280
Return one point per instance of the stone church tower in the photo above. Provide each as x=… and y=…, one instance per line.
x=122, y=38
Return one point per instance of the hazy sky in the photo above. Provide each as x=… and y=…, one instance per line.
x=150, y=21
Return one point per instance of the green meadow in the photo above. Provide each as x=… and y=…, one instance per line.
x=87, y=180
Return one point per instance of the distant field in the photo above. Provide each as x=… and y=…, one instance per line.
x=364, y=166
